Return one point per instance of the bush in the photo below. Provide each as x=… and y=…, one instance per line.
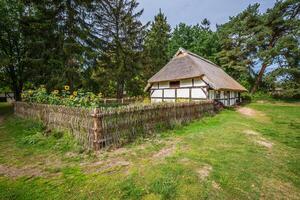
x=246, y=97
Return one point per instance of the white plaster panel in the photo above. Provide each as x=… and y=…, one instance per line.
x=169, y=93
x=183, y=93
x=222, y=95
x=198, y=82
x=198, y=93
x=157, y=93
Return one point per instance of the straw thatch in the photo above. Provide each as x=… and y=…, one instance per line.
x=186, y=65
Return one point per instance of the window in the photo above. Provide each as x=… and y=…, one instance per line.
x=211, y=94
x=217, y=94
x=174, y=84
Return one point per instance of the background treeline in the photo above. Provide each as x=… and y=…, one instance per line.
x=102, y=46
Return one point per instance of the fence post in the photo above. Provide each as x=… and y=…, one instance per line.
x=97, y=128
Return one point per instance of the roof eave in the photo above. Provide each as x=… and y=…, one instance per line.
x=175, y=79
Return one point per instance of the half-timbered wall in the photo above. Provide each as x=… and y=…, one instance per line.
x=189, y=89
x=228, y=98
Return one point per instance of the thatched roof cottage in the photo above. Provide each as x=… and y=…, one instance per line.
x=190, y=77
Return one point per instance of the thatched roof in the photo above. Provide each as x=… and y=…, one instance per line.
x=186, y=65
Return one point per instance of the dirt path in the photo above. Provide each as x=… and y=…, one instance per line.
x=252, y=113
x=248, y=111
x=258, y=139
x=13, y=172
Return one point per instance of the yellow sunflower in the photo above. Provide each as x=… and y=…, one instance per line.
x=67, y=87
x=75, y=93
x=55, y=92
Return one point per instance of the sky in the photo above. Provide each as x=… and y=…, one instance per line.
x=193, y=11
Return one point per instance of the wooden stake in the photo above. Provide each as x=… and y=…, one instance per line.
x=97, y=128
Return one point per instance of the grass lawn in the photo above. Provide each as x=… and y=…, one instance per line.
x=253, y=153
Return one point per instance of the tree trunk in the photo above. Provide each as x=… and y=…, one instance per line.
x=259, y=78
x=17, y=91
x=120, y=89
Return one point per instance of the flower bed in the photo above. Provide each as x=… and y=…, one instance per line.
x=65, y=97
x=77, y=98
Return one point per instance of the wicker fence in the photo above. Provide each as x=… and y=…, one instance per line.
x=98, y=128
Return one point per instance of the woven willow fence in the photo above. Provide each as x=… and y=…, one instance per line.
x=98, y=128
x=76, y=120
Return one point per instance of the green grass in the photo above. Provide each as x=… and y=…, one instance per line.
x=240, y=167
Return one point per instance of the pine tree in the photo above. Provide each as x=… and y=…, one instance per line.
x=156, y=45
x=237, y=54
x=45, y=41
x=57, y=32
x=76, y=32
x=281, y=23
x=119, y=34
x=252, y=39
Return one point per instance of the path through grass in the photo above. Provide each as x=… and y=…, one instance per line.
x=229, y=156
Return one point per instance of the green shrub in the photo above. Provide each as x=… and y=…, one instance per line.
x=246, y=97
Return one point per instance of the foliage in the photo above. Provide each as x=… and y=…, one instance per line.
x=156, y=46
x=102, y=46
x=120, y=40
x=78, y=98
x=236, y=56
x=198, y=39
x=252, y=39
x=13, y=46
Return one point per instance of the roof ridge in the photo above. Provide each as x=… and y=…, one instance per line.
x=196, y=55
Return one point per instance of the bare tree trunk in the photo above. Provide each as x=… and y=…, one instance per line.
x=259, y=78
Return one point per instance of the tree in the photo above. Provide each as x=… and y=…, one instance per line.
x=259, y=40
x=198, y=39
x=75, y=26
x=156, y=45
x=237, y=55
x=44, y=42
x=281, y=23
x=13, y=46
x=62, y=30
x=119, y=34
x=205, y=24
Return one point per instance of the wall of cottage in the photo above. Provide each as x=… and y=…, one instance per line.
x=194, y=89
x=190, y=90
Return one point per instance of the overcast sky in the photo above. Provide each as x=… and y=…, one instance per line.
x=193, y=11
